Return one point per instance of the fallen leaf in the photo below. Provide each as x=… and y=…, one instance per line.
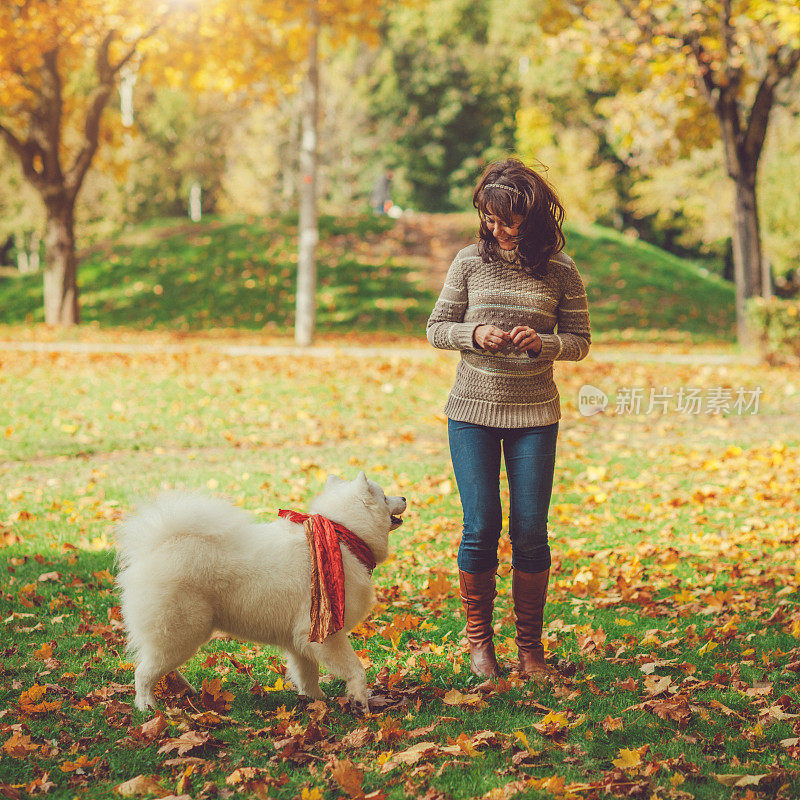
x=191, y=740
x=20, y=745
x=82, y=763
x=414, y=754
x=349, y=777
x=655, y=685
x=628, y=759
x=740, y=780
x=141, y=784
x=153, y=728
x=612, y=724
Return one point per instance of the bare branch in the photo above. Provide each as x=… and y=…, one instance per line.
x=764, y=101
x=83, y=159
x=104, y=70
x=758, y=119
x=97, y=103
x=132, y=49
x=26, y=152
x=13, y=142
x=49, y=135
x=787, y=68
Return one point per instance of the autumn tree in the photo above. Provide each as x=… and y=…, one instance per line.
x=442, y=96
x=721, y=67
x=59, y=65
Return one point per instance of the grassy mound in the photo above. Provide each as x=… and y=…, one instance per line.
x=234, y=273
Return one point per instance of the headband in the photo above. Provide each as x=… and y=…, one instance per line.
x=502, y=186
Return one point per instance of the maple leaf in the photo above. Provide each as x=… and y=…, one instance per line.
x=45, y=651
x=552, y=724
x=213, y=697
x=412, y=755
x=349, y=777
x=32, y=701
x=278, y=686
x=656, y=685
x=628, y=759
x=141, y=784
x=438, y=586
x=456, y=698
x=171, y=687
x=505, y=792
x=461, y=744
x=40, y=785
x=612, y=724
x=82, y=763
x=553, y=785
x=153, y=728
x=19, y=745
x=358, y=738
x=32, y=695
x=390, y=730
x=740, y=780
x=242, y=774
x=191, y=740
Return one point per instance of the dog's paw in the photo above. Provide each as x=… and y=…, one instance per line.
x=144, y=703
x=359, y=707
x=359, y=703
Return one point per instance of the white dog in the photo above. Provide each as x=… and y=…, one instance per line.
x=191, y=564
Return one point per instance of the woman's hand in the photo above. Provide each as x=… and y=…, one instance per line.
x=526, y=339
x=490, y=338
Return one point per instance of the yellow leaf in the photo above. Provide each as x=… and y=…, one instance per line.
x=628, y=759
x=554, y=718
x=523, y=740
x=707, y=648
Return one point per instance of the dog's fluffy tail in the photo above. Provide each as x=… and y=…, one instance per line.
x=172, y=515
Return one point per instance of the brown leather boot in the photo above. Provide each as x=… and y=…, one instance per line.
x=529, y=590
x=477, y=595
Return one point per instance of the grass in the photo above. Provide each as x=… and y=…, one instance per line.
x=636, y=287
x=241, y=274
x=673, y=604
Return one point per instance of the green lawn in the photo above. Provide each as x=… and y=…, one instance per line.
x=674, y=609
x=239, y=274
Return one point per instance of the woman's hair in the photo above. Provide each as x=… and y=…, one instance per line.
x=509, y=187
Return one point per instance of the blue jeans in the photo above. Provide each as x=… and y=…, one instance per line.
x=530, y=460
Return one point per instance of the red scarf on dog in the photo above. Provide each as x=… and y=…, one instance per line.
x=327, y=570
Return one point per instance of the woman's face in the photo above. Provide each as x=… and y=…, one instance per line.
x=505, y=234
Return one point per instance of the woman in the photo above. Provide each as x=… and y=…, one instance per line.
x=503, y=300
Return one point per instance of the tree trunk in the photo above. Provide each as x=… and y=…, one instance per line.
x=746, y=250
x=309, y=233
x=61, y=273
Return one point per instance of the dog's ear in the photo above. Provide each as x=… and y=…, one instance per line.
x=332, y=480
x=361, y=482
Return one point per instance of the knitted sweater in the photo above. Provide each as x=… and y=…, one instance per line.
x=511, y=389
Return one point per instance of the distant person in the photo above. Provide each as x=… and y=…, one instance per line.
x=512, y=304
x=381, y=198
